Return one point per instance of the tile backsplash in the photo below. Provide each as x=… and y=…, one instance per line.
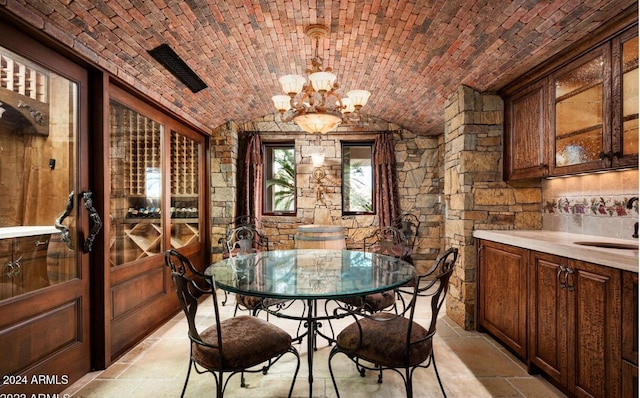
x=593, y=204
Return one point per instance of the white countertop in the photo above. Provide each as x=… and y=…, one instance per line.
x=19, y=232
x=562, y=244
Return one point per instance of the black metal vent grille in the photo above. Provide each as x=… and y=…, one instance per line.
x=174, y=64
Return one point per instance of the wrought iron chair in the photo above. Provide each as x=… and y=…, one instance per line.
x=384, y=240
x=388, y=241
x=235, y=345
x=240, y=221
x=409, y=225
x=246, y=240
x=387, y=341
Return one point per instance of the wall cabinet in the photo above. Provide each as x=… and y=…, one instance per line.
x=23, y=265
x=527, y=121
x=582, y=116
x=579, y=326
x=502, y=293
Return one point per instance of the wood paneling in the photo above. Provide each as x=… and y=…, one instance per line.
x=37, y=337
x=136, y=292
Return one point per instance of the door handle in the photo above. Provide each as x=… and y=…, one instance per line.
x=65, y=235
x=95, y=219
x=562, y=270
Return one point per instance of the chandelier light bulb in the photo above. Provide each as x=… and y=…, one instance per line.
x=359, y=97
x=292, y=84
x=347, y=106
x=282, y=102
x=322, y=81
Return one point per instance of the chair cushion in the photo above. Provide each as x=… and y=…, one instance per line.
x=246, y=340
x=253, y=302
x=249, y=302
x=373, y=302
x=384, y=342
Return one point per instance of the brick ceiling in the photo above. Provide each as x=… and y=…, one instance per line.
x=410, y=54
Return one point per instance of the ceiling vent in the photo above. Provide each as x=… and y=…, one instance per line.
x=174, y=64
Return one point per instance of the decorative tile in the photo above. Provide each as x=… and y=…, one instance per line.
x=590, y=206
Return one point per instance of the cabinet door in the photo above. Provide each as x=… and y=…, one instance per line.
x=502, y=290
x=582, y=116
x=32, y=252
x=526, y=123
x=9, y=281
x=630, y=316
x=625, y=99
x=594, y=330
x=548, y=344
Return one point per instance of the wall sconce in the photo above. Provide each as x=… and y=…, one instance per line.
x=317, y=158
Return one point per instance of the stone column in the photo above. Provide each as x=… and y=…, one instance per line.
x=224, y=158
x=475, y=193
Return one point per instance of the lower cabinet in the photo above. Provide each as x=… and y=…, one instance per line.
x=629, y=334
x=23, y=265
x=502, y=294
x=573, y=320
x=575, y=324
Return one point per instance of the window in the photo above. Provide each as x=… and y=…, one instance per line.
x=279, y=179
x=357, y=178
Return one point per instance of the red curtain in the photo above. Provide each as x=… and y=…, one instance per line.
x=386, y=190
x=252, y=179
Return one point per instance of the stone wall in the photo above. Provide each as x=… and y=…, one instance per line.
x=420, y=175
x=224, y=158
x=475, y=193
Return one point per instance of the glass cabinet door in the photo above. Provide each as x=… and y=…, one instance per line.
x=185, y=180
x=135, y=159
x=579, y=110
x=629, y=63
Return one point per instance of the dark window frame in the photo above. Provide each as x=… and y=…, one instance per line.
x=343, y=145
x=267, y=204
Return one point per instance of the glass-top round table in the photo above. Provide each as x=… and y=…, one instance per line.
x=310, y=275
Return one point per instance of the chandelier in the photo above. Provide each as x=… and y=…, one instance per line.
x=309, y=104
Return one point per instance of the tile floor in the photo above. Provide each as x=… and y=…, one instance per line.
x=471, y=364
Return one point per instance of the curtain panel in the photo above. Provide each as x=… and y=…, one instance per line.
x=251, y=203
x=386, y=189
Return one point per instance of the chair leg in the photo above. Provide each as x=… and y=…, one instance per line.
x=333, y=352
x=184, y=388
x=408, y=382
x=433, y=359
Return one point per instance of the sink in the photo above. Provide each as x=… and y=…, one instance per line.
x=609, y=245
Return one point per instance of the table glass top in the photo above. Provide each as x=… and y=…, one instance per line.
x=310, y=273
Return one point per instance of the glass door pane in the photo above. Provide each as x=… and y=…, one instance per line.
x=578, y=112
x=630, y=97
x=135, y=159
x=38, y=176
x=185, y=192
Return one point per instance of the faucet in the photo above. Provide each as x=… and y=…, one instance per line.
x=630, y=206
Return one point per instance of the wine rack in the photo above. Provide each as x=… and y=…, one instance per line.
x=137, y=164
x=184, y=166
x=18, y=77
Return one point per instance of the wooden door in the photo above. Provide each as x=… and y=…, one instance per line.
x=502, y=291
x=548, y=342
x=44, y=327
x=594, y=323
